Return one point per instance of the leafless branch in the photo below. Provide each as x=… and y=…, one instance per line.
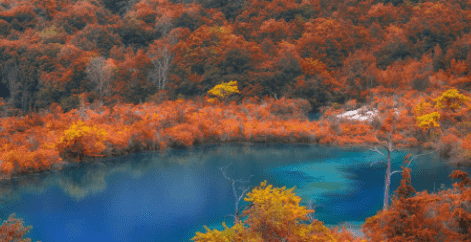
x=162, y=56
x=416, y=156
x=237, y=197
x=411, y=160
x=396, y=171
x=99, y=75
x=376, y=150
x=311, y=206
x=379, y=161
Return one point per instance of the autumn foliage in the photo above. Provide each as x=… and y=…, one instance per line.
x=51, y=137
x=13, y=230
x=274, y=214
x=224, y=90
x=442, y=216
x=84, y=79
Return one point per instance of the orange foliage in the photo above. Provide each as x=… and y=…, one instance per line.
x=77, y=16
x=36, y=142
x=430, y=217
x=466, y=145
x=13, y=229
x=330, y=40
x=398, y=57
x=21, y=16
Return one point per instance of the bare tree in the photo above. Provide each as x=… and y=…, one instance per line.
x=100, y=75
x=20, y=80
x=161, y=56
x=13, y=83
x=28, y=82
x=389, y=146
x=311, y=205
x=243, y=190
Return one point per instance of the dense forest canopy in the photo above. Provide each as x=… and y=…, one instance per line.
x=324, y=51
x=337, y=55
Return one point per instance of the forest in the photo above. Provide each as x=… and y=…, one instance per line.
x=81, y=79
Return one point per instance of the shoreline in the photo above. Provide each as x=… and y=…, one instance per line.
x=54, y=140
x=69, y=163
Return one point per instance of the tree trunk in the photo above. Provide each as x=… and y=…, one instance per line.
x=386, y=188
x=387, y=182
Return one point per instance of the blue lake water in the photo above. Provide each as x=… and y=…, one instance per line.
x=313, y=116
x=168, y=197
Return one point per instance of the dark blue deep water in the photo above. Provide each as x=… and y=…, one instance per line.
x=170, y=196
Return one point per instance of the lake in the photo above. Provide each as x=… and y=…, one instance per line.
x=150, y=196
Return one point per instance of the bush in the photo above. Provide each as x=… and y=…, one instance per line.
x=12, y=229
x=274, y=214
x=289, y=108
x=424, y=217
x=82, y=140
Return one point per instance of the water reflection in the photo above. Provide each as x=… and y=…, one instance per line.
x=169, y=196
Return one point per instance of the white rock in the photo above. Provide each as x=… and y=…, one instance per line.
x=355, y=114
x=367, y=116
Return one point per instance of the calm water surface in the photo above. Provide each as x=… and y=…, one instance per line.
x=170, y=196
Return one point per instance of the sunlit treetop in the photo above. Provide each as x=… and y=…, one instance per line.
x=422, y=108
x=452, y=99
x=224, y=90
x=428, y=120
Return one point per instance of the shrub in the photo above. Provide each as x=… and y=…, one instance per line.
x=289, y=108
x=424, y=217
x=82, y=140
x=12, y=229
x=275, y=214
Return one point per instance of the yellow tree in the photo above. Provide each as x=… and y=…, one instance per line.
x=274, y=214
x=428, y=115
x=427, y=118
x=224, y=90
x=428, y=121
x=82, y=140
x=451, y=99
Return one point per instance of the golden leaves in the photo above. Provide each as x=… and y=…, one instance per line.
x=224, y=90
x=428, y=120
x=81, y=139
x=452, y=99
x=274, y=213
x=422, y=108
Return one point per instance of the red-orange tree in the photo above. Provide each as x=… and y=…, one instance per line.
x=424, y=217
x=13, y=230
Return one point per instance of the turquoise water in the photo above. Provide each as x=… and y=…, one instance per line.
x=313, y=116
x=168, y=197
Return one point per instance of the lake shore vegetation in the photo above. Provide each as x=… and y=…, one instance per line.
x=45, y=140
